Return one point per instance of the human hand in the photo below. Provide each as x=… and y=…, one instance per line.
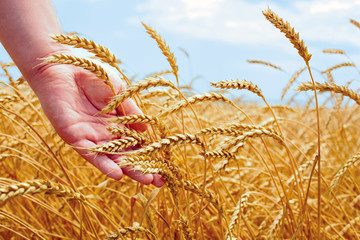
x=71, y=98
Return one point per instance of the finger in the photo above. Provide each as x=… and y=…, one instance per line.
x=138, y=175
x=101, y=162
x=158, y=181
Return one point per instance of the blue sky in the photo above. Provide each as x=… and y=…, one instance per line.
x=219, y=35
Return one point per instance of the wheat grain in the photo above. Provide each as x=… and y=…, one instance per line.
x=289, y=32
x=9, y=99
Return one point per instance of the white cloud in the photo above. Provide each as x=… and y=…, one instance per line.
x=329, y=6
x=241, y=21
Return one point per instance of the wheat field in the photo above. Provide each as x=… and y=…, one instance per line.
x=233, y=170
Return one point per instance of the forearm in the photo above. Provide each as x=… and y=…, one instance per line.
x=25, y=26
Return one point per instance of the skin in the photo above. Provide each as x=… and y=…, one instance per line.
x=71, y=97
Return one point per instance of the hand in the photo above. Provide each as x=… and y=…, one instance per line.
x=71, y=98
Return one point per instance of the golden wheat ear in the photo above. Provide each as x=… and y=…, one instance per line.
x=264, y=63
x=284, y=27
x=102, y=53
x=75, y=41
x=134, y=89
x=164, y=48
x=84, y=63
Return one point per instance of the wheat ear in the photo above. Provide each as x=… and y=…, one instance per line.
x=212, y=96
x=334, y=51
x=265, y=63
x=356, y=23
x=81, y=62
x=345, y=64
x=331, y=87
x=240, y=141
x=219, y=130
x=188, y=233
x=37, y=186
x=162, y=128
x=238, y=84
x=101, y=52
x=291, y=81
x=221, y=154
x=124, y=131
x=136, y=88
x=241, y=206
x=165, y=143
x=351, y=162
x=164, y=48
x=128, y=230
x=192, y=187
x=8, y=99
x=284, y=27
x=117, y=145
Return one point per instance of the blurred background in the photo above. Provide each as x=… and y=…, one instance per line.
x=213, y=39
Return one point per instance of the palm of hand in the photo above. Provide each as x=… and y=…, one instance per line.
x=72, y=97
